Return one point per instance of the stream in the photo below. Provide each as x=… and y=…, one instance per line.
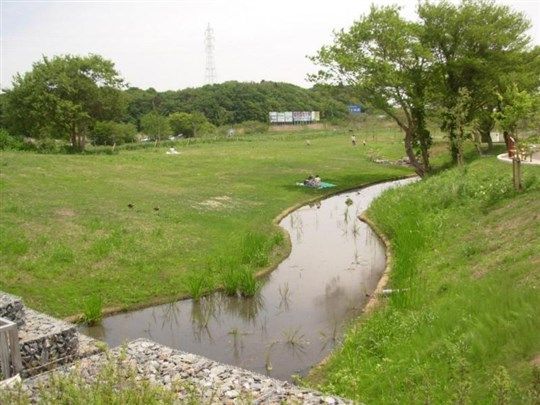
x=300, y=312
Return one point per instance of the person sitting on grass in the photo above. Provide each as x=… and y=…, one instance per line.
x=316, y=181
x=309, y=181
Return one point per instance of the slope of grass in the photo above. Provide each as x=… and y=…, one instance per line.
x=68, y=235
x=465, y=327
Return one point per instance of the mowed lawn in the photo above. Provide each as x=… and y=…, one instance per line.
x=67, y=233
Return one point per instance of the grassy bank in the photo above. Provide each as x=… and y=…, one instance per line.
x=80, y=231
x=465, y=326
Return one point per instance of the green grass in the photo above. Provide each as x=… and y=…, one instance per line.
x=466, y=327
x=93, y=310
x=67, y=233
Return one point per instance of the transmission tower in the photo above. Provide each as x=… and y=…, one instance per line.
x=210, y=75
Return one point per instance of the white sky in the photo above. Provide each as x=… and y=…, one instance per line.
x=160, y=44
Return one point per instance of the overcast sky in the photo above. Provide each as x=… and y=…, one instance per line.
x=160, y=44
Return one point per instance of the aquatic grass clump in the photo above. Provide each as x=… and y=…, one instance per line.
x=237, y=273
x=93, y=310
x=249, y=285
x=196, y=284
x=231, y=281
x=240, y=280
x=254, y=249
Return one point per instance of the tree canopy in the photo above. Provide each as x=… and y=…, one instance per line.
x=449, y=64
x=155, y=125
x=234, y=102
x=383, y=59
x=63, y=97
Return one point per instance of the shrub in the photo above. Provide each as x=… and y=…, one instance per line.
x=8, y=142
x=156, y=126
x=110, y=133
x=189, y=125
x=48, y=145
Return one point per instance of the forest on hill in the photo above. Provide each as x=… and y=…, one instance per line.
x=234, y=102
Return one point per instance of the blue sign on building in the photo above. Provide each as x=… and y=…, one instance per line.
x=355, y=109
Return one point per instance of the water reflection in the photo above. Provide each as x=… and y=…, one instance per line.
x=300, y=312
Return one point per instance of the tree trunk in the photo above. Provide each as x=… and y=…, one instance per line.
x=418, y=167
x=485, y=136
x=425, y=142
x=73, y=140
x=78, y=141
x=484, y=128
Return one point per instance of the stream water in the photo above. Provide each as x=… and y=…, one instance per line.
x=300, y=312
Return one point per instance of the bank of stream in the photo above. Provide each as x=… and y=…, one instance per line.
x=300, y=312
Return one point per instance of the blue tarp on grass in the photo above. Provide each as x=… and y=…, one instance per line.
x=321, y=186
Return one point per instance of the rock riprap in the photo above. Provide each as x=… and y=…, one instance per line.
x=12, y=308
x=213, y=382
x=45, y=342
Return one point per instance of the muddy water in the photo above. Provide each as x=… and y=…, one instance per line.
x=301, y=310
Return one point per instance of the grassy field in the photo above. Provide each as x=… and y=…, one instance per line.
x=69, y=238
x=465, y=326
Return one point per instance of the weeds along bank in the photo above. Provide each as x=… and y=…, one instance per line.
x=82, y=232
x=465, y=325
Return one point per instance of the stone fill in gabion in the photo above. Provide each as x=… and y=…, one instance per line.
x=213, y=382
x=47, y=342
x=12, y=308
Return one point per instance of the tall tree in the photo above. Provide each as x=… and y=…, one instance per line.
x=63, y=97
x=477, y=45
x=381, y=56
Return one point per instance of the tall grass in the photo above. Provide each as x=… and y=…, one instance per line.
x=254, y=249
x=93, y=310
x=465, y=327
x=237, y=271
x=196, y=284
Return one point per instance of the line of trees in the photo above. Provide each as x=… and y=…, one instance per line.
x=455, y=64
x=82, y=97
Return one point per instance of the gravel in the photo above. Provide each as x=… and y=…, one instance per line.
x=214, y=382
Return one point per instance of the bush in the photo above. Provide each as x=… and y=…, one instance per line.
x=8, y=142
x=110, y=133
x=253, y=127
x=180, y=123
x=48, y=145
x=190, y=125
x=156, y=126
